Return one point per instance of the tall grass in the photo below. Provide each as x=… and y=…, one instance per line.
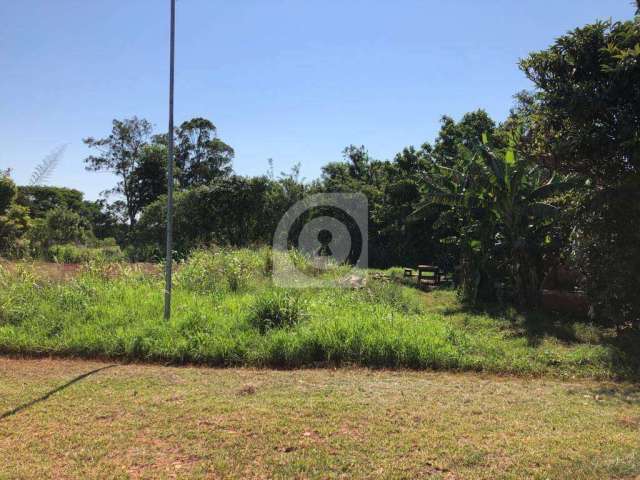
x=70, y=253
x=227, y=312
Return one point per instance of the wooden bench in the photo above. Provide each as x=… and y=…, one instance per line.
x=428, y=276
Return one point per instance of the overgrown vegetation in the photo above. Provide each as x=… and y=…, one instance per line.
x=116, y=312
x=277, y=308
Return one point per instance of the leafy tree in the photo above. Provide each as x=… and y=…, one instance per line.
x=606, y=250
x=102, y=218
x=15, y=223
x=355, y=172
x=393, y=191
x=121, y=153
x=40, y=199
x=8, y=192
x=587, y=110
x=201, y=157
x=14, y=220
x=149, y=176
x=584, y=118
x=61, y=226
x=493, y=205
x=234, y=211
x=467, y=133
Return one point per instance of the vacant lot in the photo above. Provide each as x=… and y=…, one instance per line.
x=228, y=313
x=166, y=422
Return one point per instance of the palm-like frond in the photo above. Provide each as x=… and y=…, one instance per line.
x=446, y=218
x=45, y=168
x=553, y=187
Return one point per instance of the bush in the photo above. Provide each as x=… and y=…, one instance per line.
x=218, y=269
x=70, y=253
x=61, y=225
x=277, y=308
x=14, y=225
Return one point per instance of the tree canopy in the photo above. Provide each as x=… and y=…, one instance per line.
x=586, y=115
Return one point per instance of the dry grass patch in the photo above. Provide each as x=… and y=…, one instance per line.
x=134, y=421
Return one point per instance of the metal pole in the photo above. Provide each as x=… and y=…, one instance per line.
x=169, y=256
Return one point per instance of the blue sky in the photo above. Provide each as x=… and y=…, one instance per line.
x=295, y=81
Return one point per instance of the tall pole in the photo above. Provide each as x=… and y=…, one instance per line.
x=169, y=256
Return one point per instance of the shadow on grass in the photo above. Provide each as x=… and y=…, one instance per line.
x=628, y=394
x=44, y=397
x=625, y=352
x=536, y=325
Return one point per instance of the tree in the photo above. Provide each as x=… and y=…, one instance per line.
x=587, y=101
x=606, y=251
x=15, y=223
x=40, y=199
x=584, y=118
x=235, y=211
x=493, y=204
x=60, y=226
x=149, y=176
x=14, y=219
x=8, y=192
x=121, y=154
x=466, y=133
x=201, y=157
x=102, y=218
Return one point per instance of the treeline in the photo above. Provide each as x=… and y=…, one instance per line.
x=556, y=185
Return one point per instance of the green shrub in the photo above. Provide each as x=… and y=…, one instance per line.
x=70, y=253
x=216, y=269
x=61, y=226
x=105, y=242
x=277, y=308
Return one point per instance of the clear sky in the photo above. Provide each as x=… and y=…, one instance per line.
x=295, y=81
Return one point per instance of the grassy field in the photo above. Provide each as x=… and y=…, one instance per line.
x=135, y=421
x=552, y=413
x=227, y=313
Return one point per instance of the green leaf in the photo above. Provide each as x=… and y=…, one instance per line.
x=510, y=157
x=485, y=138
x=475, y=245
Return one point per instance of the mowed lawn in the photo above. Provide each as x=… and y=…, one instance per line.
x=140, y=421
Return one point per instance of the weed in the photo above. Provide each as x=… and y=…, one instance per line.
x=277, y=308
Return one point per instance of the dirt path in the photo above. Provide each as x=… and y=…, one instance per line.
x=76, y=419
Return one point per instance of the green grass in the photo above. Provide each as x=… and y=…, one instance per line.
x=147, y=421
x=227, y=313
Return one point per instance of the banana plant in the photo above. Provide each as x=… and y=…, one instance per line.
x=496, y=206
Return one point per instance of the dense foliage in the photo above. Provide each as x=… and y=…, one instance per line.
x=494, y=205
x=584, y=118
